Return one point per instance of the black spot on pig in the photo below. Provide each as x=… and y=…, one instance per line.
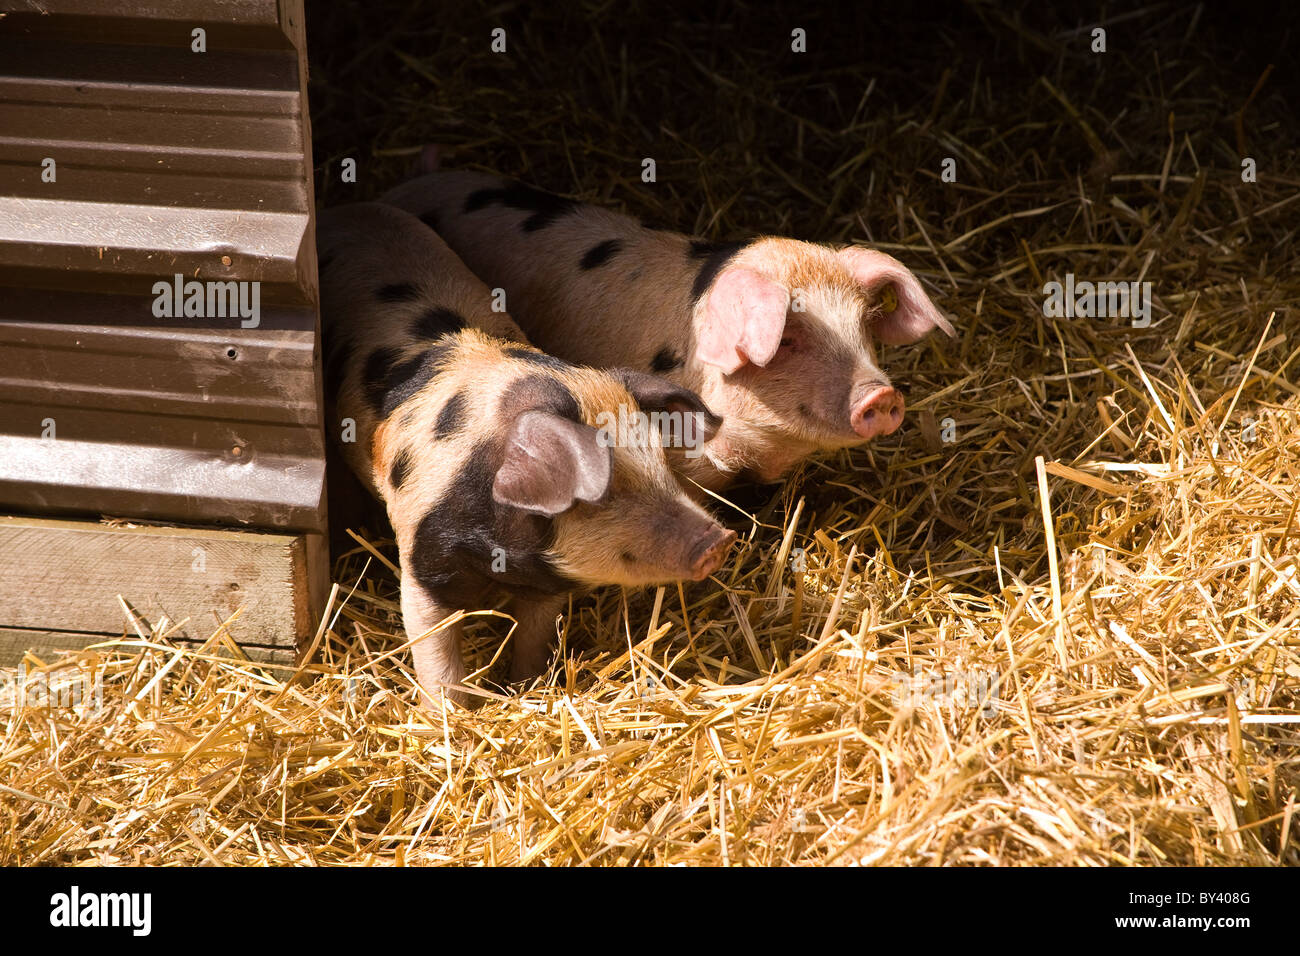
x=397, y=292
x=712, y=256
x=704, y=248
x=655, y=394
x=541, y=359
x=601, y=253
x=665, y=360
x=539, y=392
x=482, y=198
x=402, y=381
x=401, y=468
x=389, y=382
x=466, y=531
x=437, y=322
x=451, y=417
x=628, y=557
x=376, y=369
x=545, y=208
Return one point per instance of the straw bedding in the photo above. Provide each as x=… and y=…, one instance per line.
x=1061, y=628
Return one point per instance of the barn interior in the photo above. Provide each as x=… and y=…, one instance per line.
x=1055, y=619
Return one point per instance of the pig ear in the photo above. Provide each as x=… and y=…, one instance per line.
x=743, y=320
x=914, y=315
x=550, y=463
x=655, y=394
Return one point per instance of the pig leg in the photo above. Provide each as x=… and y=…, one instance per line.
x=438, y=660
x=534, y=637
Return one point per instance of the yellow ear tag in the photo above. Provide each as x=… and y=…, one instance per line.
x=888, y=298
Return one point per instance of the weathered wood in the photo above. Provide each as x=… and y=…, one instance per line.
x=66, y=576
x=48, y=646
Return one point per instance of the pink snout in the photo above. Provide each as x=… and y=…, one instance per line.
x=879, y=412
x=709, y=551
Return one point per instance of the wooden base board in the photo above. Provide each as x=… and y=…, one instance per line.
x=48, y=646
x=60, y=583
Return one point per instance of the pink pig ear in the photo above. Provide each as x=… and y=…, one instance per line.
x=743, y=320
x=550, y=464
x=915, y=315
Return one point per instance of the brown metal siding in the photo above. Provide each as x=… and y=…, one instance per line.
x=168, y=161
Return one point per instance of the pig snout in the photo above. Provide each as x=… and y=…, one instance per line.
x=683, y=543
x=710, y=549
x=877, y=412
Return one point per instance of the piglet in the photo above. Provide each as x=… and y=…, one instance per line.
x=777, y=336
x=496, y=462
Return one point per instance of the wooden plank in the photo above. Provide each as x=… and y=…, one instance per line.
x=66, y=576
x=47, y=645
x=50, y=645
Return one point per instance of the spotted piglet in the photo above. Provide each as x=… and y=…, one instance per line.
x=777, y=336
x=496, y=462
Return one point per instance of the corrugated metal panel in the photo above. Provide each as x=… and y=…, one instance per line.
x=168, y=162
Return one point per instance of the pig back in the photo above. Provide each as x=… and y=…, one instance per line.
x=394, y=300
x=589, y=285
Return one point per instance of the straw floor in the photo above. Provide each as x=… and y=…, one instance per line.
x=1054, y=620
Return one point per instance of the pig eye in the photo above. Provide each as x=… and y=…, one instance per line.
x=792, y=339
x=789, y=347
